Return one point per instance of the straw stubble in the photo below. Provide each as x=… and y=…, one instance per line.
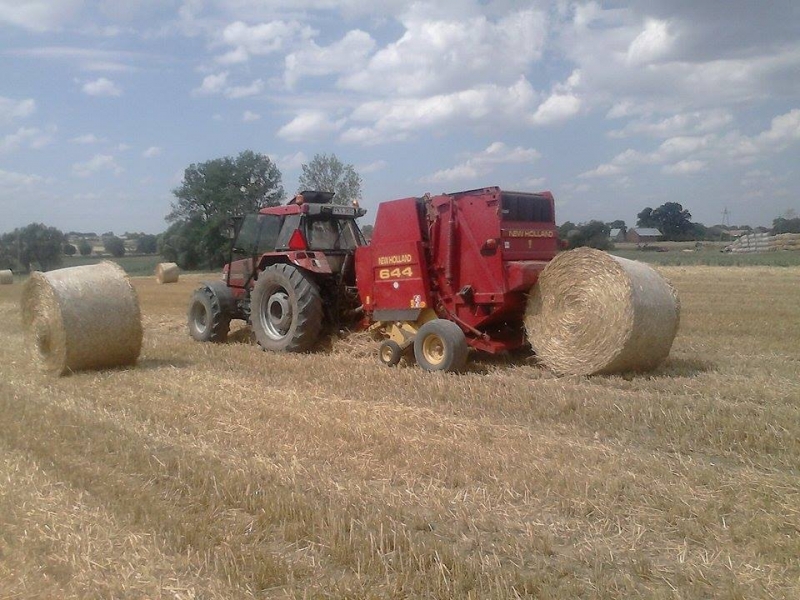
x=592, y=313
x=84, y=317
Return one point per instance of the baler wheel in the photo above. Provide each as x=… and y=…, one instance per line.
x=286, y=309
x=440, y=345
x=206, y=319
x=390, y=353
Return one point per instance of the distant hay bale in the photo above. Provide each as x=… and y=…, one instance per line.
x=593, y=313
x=6, y=277
x=82, y=318
x=167, y=272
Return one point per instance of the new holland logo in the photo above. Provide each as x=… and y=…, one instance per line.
x=528, y=233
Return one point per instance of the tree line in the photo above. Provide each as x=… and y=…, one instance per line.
x=671, y=219
x=210, y=194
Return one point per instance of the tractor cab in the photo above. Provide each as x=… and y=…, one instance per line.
x=309, y=231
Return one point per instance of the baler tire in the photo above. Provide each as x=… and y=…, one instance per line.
x=440, y=345
x=390, y=353
x=206, y=319
x=286, y=309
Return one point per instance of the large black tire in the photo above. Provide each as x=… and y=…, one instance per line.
x=286, y=309
x=207, y=320
x=440, y=345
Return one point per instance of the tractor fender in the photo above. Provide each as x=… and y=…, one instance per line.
x=314, y=262
x=225, y=297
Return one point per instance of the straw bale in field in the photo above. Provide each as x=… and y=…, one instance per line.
x=167, y=272
x=82, y=317
x=6, y=277
x=591, y=313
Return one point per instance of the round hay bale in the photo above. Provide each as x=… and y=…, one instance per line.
x=593, y=313
x=82, y=318
x=167, y=272
x=6, y=277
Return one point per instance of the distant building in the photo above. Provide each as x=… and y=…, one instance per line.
x=643, y=235
x=617, y=235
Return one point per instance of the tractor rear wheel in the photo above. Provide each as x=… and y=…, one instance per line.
x=207, y=321
x=440, y=345
x=286, y=309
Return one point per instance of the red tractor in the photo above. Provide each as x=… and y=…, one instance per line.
x=440, y=275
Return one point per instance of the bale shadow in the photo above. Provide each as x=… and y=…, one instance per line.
x=152, y=364
x=674, y=367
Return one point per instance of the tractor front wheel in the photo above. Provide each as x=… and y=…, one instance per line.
x=440, y=345
x=206, y=318
x=286, y=309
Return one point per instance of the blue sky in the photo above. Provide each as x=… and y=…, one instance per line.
x=612, y=106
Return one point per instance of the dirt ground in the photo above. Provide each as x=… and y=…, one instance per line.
x=220, y=471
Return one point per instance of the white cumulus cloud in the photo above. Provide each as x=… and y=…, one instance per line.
x=99, y=162
x=25, y=137
x=556, y=109
x=38, y=15
x=101, y=87
x=651, y=44
x=381, y=121
x=438, y=55
x=685, y=167
x=309, y=125
x=482, y=163
x=152, y=152
x=15, y=109
x=258, y=40
x=249, y=116
x=86, y=138
x=345, y=56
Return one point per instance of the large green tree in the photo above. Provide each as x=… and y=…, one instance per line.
x=671, y=219
x=210, y=194
x=326, y=173
x=35, y=245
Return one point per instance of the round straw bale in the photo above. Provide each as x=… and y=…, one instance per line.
x=6, y=277
x=592, y=312
x=82, y=317
x=167, y=272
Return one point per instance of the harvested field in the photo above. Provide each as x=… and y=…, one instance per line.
x=219, y=471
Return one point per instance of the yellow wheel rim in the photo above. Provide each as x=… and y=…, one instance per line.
x=386, y=354
x=433, y=349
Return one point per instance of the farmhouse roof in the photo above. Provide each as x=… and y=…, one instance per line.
x=648, y=231
x=614, y=232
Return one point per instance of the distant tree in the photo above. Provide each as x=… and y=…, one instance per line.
x=367, y=231
x=35, y=244
x=147, y=244
x=114, y=246
x=593, y=234
x=671, y=219
x=185, y=243
x=565, y=229
x=618, y=224
x=210, y=194
x=645, y=218
x=70, y=250
x=85, y=248
x=786, y=225
x=326, y=173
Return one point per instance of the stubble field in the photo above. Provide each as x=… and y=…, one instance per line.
x=219, y=471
